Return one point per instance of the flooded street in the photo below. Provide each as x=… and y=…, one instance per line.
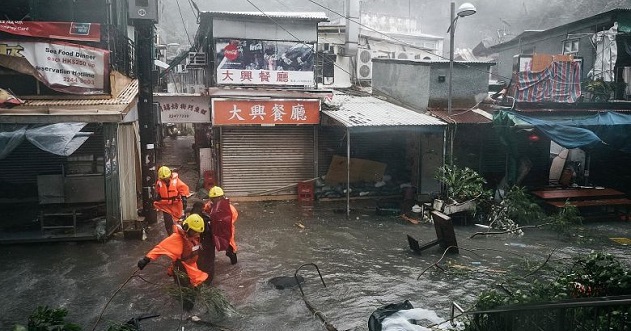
x=365, y=263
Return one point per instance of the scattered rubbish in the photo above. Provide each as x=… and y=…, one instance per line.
x=298, y=224
x=476, y=263
x=417, y=209
x=407, y=320
x=482, y=226
x=401, y=317
x=621, y=241
x=409, y=219
x=376, y=318
x=516, y=245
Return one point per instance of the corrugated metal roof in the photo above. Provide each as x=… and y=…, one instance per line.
x=463, y=116
x=377, y=59
x=317, y=16
x=528, y=34
x=370, y=112
x=126, y=96
x=79, y=109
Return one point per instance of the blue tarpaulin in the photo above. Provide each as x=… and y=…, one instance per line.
x=576, y=131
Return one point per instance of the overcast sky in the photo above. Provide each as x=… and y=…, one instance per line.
x=494, y=19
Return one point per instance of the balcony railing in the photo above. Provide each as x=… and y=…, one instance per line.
x=122, y=52
x=589, y=314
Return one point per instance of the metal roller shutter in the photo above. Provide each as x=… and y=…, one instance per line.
x=256, y=159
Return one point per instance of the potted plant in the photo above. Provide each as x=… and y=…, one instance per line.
x=463, y=187
x=600, y=91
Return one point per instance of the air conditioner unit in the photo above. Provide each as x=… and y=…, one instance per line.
x=143, y=10
x=405, y=55
x=197, y=59
x=364, y=63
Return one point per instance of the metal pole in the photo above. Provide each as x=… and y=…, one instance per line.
x=144, y=58
x=452, y=29
x=451, y=53
x=348, y=173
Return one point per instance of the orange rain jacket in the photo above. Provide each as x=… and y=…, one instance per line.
x=171, y=196
x=223, y=215
x=178, y=246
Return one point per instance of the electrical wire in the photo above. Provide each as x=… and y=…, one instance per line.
x=401, y=41
x=183, y=22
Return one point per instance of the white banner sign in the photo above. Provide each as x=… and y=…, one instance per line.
x=62, y=66
x=183, y=109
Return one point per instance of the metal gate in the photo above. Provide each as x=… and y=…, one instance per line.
x=269, y=160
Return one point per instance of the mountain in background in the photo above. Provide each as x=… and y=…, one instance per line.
x=495, y=20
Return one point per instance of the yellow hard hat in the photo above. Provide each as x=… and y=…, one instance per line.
x=193, y=222
x=164, y=172
x=215, y=191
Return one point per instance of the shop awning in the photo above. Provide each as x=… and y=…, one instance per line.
x=103, y=109
x=573, y=131
x=368, y=113
x=365, y=113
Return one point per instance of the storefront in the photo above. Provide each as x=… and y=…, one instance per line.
x=264, y=146
x=72, y=166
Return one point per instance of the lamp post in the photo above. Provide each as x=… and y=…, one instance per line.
x=466, y=9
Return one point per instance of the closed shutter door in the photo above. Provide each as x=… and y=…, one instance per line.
x=257, y=159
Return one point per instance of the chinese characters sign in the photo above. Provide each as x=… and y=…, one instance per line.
x=65, y=67
x=261, y=62
x=54, y=30
x=183, y=109
x=265, y=112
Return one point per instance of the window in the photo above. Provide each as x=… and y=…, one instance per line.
x=570, y=46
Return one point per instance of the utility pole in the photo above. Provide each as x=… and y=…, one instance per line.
x=146, y=117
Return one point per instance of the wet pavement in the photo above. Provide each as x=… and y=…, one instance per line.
x=365, y=262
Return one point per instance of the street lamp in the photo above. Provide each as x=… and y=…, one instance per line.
x=466, y=9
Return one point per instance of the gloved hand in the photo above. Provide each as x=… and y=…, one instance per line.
x=184, y=202
x=157, y=197
x=142, y=263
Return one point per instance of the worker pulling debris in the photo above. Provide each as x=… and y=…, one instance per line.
x=182, y=247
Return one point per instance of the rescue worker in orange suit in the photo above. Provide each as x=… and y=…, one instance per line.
x=222, y=218
x=171, y=195
x=206, y=258
x=182, y=247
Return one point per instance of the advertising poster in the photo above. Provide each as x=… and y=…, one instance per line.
x=54, y=30
x=64, y=67
x=261, y=62
x=265, y=112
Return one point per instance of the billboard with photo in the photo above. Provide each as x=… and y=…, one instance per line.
x=264, y=62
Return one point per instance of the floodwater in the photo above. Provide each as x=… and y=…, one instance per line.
x=364, y=260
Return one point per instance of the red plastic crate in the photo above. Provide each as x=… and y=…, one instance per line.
x=305, y=191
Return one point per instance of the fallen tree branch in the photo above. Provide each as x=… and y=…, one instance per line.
x=508, y=231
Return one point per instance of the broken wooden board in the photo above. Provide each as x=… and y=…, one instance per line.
x=360, y=170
